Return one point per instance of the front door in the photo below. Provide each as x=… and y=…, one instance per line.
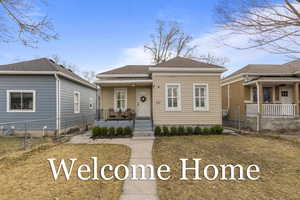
x=143, y=102
x=286, y=95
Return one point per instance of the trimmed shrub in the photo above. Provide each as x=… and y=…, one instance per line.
x=218, y=129
x=197, y=130
x=189, y=130
x=119, y=131
x=111, y=132
x=166, y=131
x=206, y=131
x=212, y=130
x=157, y=131
x=181, y=130
x=104, y=131
x=127, y=131
x=96, y=132
x=173, y=131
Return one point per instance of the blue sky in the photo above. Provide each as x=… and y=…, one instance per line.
x=98, y=35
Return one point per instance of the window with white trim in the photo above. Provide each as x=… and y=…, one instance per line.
x=120, y=99
x=20, y=101
x=173, y=97
x=76, y=102
x=91, y=104
x=200, y=96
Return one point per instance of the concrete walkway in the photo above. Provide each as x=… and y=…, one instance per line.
x=141, y=153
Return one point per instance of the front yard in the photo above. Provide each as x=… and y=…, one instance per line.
x=28, y=176
x=279, y=162
x=12, y=144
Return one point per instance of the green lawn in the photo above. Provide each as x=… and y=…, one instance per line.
x=279, y=161
x=28, y=176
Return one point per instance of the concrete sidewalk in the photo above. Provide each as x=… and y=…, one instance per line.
x=141, y=153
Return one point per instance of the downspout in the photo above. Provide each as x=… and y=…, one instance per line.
x=58, y=115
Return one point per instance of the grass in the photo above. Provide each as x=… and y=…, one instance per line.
x=278, y=161
x=28, y=176
x=13, y=144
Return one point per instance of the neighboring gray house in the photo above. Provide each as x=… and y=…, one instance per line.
x=43, y=97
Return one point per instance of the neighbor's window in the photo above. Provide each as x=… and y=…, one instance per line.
x=91, y=105
x=120, y=99
x=254, y=94
x=173, y=98
x=76, y=102
x=21, y=101
x=267, y=91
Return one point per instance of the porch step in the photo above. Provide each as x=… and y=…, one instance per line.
x=143, y=133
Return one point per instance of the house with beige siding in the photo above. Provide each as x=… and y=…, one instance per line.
x=265, y=96
x=179, y=91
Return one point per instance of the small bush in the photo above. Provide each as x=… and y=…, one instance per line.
x=206, y=131
x=212, y=130
x=111, y=132
x=173, y=131
x=181, y=130
x=218, y=129
x=189, y=130
x=104, y=131
x=119, y=131
x=157, y=131
x=166, y=131
x=127, y=131
x=197, y=131
x=96, y=132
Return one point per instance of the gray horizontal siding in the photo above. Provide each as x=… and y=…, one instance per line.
x=45, y=88
x=68, y=117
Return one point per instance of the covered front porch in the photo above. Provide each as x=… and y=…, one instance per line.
x=125, y=100
x=272, y=97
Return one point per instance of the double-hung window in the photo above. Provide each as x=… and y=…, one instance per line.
x=120, y=99
x=200, y=96
x=76, y=102
x=20, y=101
x=173, y=97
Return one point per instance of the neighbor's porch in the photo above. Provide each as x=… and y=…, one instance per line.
x=125, y=100
x=272, y=97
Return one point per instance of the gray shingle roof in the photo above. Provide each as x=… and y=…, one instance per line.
x=174, y=62
x=186, y=62
x=130, y=69
x=262, y=69
x=41, y=65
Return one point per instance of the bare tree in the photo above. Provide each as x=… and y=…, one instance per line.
x=89, y=75
x=212, y=59
x=58, y=60
x=21, y=22
x=270, y=25
x=169, y=41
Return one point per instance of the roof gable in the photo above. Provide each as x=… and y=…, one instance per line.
x=42, y=65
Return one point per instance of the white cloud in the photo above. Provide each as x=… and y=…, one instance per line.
x=213, y=43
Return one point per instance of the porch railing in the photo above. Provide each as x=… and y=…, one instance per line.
x=110, y=114
x=272, y=110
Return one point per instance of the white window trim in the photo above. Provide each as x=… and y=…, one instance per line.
x=76, y=112
x=91, y=102
x=170, y=109
x=20, y=91
x=206, y=108
x=115, y=98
